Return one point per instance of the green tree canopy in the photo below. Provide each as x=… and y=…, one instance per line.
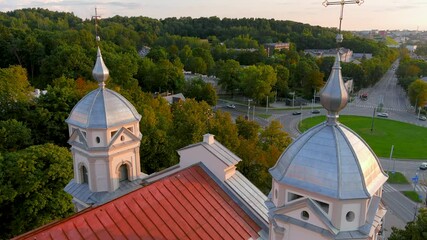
x=14, y=87
x=417, y=91
x=31, y=188
x=201, y=91
x=257, y=81
x=14, y=135
x=228, y=74
x=413, y=230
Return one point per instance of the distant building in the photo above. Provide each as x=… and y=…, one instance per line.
x=361, y=56
x=207, y=79
x=37, y=92
x=345, y=53
x=174, y=98
x=411, y=48
x=270, y=47
x=144, y=51
x=349, y=84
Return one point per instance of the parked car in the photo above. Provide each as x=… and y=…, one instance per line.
x=315, y=111
x=423, y=166
x=422, y=118
x=296, y=113
x=382, y=114
x=231, y=106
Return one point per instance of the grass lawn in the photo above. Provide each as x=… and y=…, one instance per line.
x=410, y=141
x=396, y=178
x=263, y=115
x=412, y=195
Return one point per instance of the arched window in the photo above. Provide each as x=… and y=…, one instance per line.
x=305, y=215
x=123, y=171
x=84, y=175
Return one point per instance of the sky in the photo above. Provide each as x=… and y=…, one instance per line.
x=372, y=14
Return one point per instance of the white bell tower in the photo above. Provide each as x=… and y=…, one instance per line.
x=105, y=139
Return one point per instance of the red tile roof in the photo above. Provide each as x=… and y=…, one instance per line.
x=186, y=205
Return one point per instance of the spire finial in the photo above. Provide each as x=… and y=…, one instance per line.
x=326, y=3
x=334, y=95
x=100, y=71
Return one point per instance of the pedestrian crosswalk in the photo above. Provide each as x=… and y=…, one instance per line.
x=418, y=188
x=388, y=188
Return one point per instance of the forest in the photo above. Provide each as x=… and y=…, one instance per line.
x=55, y=51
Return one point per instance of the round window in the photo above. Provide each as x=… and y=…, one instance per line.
x=350, y=216
x=98, y=140
x=305, y=215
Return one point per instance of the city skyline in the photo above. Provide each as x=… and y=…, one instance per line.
x=378, y=14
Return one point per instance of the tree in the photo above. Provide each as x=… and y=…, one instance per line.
x=413, y=230
x=157, y=54
x=157, y=148
x=325, y=65
x=14, y=136
x=15, y=88
x=196, y=65
x=166, y=76
x=257, y=81
x=247, y=129
x=228, y=74
x=207, y=58
x=282, y=74
x=201, y=91
x=70, y=61
x=417, y=92
x=145, y=75
x=190, y=120
x=47, y=121
x=356, y=72
x=314, y=82
x=31, y=188
x=273, y=136
x=123, y=67
x=185, y=54
x=225, y=131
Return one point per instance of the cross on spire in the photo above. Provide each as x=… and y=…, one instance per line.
x=342, y=3
x=96, y=17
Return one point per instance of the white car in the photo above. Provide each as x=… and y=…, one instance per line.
x=382, y=114
x=231, y=106
x=422, y=118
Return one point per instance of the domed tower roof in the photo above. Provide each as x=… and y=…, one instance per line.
x=331, y=159
x=102, y=108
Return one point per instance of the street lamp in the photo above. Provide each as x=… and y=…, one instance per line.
x=293, y=98
x=372, y=123
x=249, y=106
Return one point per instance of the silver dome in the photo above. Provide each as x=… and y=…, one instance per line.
x=331, y=160
x=102, y=109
